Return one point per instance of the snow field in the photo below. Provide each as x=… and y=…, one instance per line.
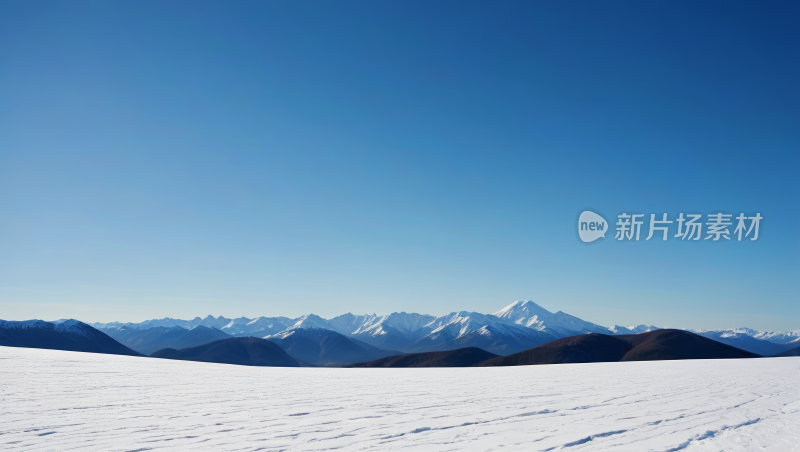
x=54, y=400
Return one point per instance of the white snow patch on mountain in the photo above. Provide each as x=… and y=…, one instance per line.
x=257, y=327
x=311, y=321
x=350, y=324
x=282, y=335
x=484, y=331
x=780, y=337
x=616, y=329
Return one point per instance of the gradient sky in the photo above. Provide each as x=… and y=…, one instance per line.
x=187, y=158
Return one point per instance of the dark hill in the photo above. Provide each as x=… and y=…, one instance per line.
x=793, y=352
x=678, y=344
x=664, y=344
x=462, y=357
x=323, y=347
x=70, y=335
x=149, y=340
x=244, y=351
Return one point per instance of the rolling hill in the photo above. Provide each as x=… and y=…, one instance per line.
x=666, y=344
x=324, y=347
x=243, y=351
x=793, y=352
x=462, y=357
x=153, y=339
x=69, y=335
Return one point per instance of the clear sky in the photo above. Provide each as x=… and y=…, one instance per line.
x=187, y=158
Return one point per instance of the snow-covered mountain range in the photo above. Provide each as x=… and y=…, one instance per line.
x=518, y=326
x=761, y=342
x=70, y=326
x=778, y=337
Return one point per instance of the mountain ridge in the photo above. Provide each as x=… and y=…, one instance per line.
x=413, y=332
x=156, y=338
x=243, y=351
x=69, y=335
x=324, y=347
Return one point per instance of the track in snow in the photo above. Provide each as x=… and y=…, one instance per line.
x=54, y=400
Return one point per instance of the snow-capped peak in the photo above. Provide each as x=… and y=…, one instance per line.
x=311, y=321
x=457, y=324
x=531, y=315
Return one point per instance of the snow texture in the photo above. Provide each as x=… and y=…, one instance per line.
x=56, y=400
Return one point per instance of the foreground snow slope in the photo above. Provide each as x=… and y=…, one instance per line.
x=54, y=400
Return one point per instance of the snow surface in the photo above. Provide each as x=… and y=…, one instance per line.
x=55, y=400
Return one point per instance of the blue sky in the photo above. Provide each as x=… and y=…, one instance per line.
x=279, y=158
